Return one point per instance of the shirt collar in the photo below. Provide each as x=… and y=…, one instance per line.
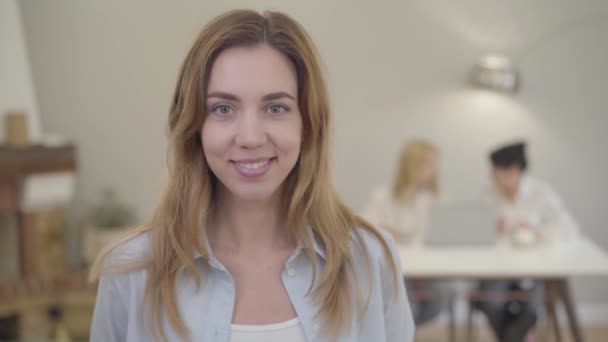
x=317, y=246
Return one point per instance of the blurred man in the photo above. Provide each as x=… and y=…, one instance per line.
x=531, y=213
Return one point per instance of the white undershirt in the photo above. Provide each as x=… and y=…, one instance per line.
x=285, y=331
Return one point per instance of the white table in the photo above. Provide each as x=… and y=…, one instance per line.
x=553, y=265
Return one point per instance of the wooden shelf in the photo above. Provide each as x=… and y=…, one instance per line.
x=23, y=161
x=32, y=286
x=17, y=163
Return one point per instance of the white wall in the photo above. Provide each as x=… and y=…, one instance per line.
x=16, y=90
x=105, y=71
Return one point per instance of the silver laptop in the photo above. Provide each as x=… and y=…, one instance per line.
x=462, y=223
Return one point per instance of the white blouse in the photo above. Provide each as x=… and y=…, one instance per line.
x=286, y=331
x=407, y=218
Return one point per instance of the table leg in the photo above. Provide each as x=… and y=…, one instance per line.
x=550, y=299
x=471, y=336
x=565, y=293
x=542, y=331
x=452, y=320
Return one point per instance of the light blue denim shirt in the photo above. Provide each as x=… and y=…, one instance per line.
x=208, y=311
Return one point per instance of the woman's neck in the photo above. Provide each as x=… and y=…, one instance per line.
x=247, y=226
x=412, y=191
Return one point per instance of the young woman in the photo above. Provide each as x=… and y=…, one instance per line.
x=403, y=209
x=250, y=242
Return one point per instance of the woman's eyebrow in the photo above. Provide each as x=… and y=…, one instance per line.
x=268, y=97
x=223, y=95
x=277, y=95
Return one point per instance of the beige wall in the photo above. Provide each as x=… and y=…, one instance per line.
x=104, y=72
x=16, y=89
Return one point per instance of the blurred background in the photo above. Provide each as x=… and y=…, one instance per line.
x=85, y=89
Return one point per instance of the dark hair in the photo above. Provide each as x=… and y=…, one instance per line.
x=510, y=155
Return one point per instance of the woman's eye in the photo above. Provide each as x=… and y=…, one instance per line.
x=222, y=110
x=277, y=109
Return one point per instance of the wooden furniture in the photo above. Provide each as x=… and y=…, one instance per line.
x=30, y=298
x=16, y=163
x=29, y=301
x=553, y=265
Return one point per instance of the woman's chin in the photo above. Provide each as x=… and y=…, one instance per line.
x=257, y=194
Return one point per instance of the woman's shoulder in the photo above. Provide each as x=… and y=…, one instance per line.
x=377, y=244
x=127, y=253
x=122, y=269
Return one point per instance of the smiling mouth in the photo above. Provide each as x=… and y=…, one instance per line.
x=253, y=165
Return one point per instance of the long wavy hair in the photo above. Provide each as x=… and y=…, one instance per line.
x=177, y=226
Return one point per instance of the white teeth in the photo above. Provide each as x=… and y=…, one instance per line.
x=253, y=166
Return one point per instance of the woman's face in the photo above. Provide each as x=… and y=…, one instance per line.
x=429, y=169
x=252, y=133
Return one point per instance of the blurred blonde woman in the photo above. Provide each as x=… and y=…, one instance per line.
x=250, y=241
x=403, y=208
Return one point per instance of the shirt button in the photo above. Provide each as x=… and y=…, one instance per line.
x=316, y=328
x=291, y=272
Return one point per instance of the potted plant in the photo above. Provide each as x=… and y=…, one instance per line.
x=107, y=221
